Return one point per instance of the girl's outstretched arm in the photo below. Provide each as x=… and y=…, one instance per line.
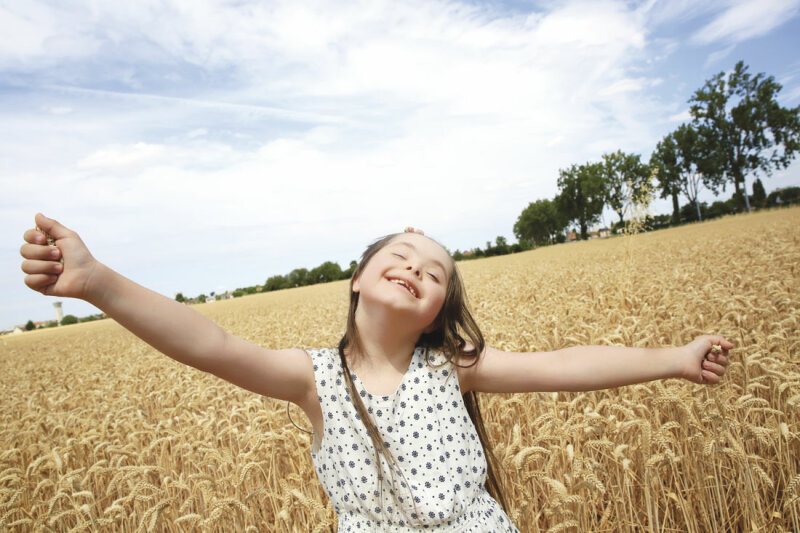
x=170, y=327
x=585, y=368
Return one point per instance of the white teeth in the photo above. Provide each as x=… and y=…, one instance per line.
x=406, y=285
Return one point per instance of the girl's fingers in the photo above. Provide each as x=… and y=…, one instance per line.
x=36, y=251
x=720, y=359
x=39, y=282
x=724, y=343
x=34, y=237
x=52, y=226
x=30, y=266
x=710, y=377
x=713, y=367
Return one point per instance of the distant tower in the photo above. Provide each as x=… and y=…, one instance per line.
x=59, y=313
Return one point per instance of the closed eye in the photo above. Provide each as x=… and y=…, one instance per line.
x=434, y=277
x=398, y=255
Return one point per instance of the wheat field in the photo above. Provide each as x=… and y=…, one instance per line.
x=98, y=431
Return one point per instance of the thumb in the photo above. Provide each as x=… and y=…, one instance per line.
x=52, y=227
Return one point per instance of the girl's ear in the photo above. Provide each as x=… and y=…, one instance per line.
x=356, y=284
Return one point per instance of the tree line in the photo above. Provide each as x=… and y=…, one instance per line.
x=738, y=129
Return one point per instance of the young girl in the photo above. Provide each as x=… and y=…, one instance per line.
x=399, y=443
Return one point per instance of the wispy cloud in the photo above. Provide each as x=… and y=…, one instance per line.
x=718, y=55
x=745, y=19
x=290, y=114
x=683, y=116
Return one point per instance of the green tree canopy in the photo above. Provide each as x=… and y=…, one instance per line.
x=275, y=283
x=347, y=274
x=298, y=277
x=745, y=130
x=680, y=158
x=624, y=176
x=665, y=160
x=582, y=195
x=69, y=319
x=759, y=194
x=327, y=271
x=539, y=222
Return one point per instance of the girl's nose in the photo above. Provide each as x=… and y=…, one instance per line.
x=415, y=270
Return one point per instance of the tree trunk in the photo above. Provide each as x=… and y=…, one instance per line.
x=746, y=198
x=676, y=211
x=738, y=194
x=583, y=230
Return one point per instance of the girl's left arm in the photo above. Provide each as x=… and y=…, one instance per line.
x=586, y=368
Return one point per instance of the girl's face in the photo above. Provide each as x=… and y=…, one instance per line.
x=409, y=274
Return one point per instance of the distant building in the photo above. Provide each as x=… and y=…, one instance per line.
x=571, y=236
x=604, y=232
x=59, y=312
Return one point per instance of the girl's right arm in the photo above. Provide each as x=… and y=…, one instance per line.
x=170, y=327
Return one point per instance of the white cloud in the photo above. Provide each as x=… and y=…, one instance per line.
x=745, y=19
x=683, y=116
x=112, y=157
x=717, y=55
x=57, y=110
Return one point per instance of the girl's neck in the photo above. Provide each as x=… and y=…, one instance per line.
x=384, y=342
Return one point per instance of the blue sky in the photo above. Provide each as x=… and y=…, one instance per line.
x=199, y=146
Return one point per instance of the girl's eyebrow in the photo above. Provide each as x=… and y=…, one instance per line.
x=436, y=261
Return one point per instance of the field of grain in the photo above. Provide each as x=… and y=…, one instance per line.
x=98, y=431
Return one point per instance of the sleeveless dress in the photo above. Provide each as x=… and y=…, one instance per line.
x=426, y=426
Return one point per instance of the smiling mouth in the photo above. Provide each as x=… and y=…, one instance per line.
x=403, y=283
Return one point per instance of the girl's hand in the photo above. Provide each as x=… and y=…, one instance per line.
x=46, y=273
x=700, y=364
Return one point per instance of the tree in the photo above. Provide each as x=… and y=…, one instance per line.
x=201, y=298
x=327, y=271
x=690, y=159
x=275, y=283
x=744, y=128
x=624, y=176
x=347, y=274
x=180, y=297
x=665, y=160
x=784, y=196
x=759, y=194
x=582, y=195
x=69, y=319
x=298, y=277
x=30, y=325
x=539, y=222
x=685, y=160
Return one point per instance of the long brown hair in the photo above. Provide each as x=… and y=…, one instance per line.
x=455, y=327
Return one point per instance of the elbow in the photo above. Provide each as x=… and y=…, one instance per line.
x=213, y=358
